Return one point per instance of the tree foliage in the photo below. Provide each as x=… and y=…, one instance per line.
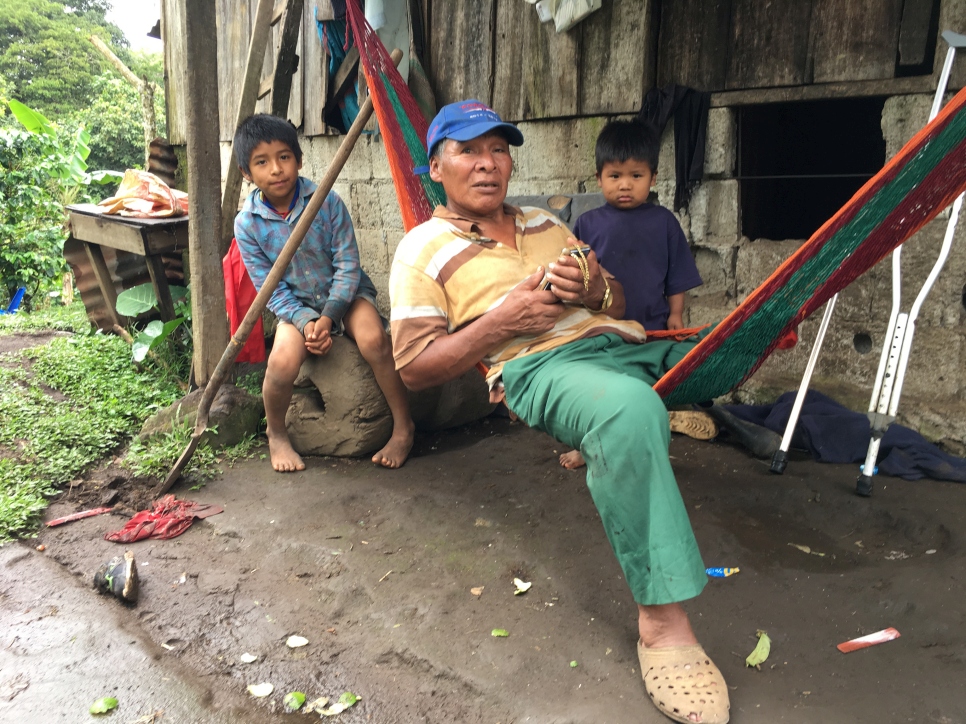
x=45, y=55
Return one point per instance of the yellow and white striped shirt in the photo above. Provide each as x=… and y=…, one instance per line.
x=445, y=275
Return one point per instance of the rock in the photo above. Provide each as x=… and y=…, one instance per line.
x=234, y=412
x=338, y=409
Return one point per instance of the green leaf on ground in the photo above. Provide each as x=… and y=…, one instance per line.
x=103, y=705
x=293, y=700
x=344, y=702
x=573, y=664
x=757, y=657
x=500, y=633
x=136, y=300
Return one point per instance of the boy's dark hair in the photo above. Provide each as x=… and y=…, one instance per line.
x=263, y=128
x=627, y=141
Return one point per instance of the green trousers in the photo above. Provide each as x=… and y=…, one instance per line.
x=595, y=394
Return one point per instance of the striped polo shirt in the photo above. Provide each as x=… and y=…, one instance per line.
x=445, y=275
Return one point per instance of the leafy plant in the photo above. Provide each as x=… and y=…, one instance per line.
x=47, y=442
x=41, y=169
x=142, y=298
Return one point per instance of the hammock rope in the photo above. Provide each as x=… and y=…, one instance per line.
x=401, y=123
x=913, y=187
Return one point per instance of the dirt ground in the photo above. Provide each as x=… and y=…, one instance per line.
x=374, y=567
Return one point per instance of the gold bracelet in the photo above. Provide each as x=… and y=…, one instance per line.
x=607, y=299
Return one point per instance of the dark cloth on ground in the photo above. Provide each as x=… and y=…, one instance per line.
x=647, y=252
x=834, y=434
x=690, y=110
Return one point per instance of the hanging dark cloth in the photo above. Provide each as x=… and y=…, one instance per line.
x=690, y=110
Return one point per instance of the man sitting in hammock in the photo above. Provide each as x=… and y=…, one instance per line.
x=471, y=284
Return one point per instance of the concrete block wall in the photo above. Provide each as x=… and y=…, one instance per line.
x=558, y=158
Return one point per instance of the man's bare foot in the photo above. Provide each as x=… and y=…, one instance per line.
x=284, y=457
x=572, y=460
x=394, y=454
x=664, y=625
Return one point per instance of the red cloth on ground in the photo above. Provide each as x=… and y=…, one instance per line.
x=168, y=518
x=239, y=295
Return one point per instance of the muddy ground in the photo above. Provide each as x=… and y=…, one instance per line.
x=374, y=567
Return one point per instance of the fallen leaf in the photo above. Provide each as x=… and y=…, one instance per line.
x=757, y=657
x=806, y=549
x=522, y=586
x=478, y=591
x=344, y=702
x=573, y=664
x=294, y=642
x=293, y=700
x=247, y=658
x=500, y=633
x=103, y=705
x=317, y=704
x=260, y=690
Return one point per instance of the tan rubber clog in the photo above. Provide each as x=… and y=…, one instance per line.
x=683, y=680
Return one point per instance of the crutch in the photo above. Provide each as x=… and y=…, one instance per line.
x=780, y=459
x=902, y=325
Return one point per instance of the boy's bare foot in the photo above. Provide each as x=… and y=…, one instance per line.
x=284, y=457
x=572, y=460
x=394, y=454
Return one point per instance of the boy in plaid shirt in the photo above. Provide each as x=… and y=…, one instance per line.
x=324, y=291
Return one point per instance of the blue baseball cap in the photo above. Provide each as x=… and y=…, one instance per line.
x=467, y=120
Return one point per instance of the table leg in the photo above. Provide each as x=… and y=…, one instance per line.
x=161, y=289
x=104, y=280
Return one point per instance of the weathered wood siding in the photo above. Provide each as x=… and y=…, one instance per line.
x=499, y=52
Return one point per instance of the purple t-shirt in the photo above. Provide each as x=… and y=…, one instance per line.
x=646, y=251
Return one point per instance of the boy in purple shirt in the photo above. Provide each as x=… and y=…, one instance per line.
x=640, y=243
x=324, y=291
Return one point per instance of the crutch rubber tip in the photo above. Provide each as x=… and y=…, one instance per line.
x=863, y=486
x=778, y=462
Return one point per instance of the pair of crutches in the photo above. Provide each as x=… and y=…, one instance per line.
x=902, y=326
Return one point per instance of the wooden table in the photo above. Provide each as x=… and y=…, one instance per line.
x=148, y=237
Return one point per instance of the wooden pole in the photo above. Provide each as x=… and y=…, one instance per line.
x=268, y=287
x=145, y=91
x=261, y=32
x=208, y=318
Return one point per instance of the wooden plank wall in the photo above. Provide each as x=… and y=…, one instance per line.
x=498, y=52
x=718, y=45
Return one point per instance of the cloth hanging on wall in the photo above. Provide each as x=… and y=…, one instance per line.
x=690, y=110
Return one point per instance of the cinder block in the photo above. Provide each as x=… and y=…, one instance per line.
x=557, y=149
x=902, y=118
x=757, y=260
x=714, y=214
x=373, y=251
x=716, y=267
x=317, y=151
x=721, y=143
x=365, y=206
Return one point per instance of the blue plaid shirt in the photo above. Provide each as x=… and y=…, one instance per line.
x=325, y=275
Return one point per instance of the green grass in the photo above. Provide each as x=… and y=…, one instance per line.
x=70, y=318
x=46, y=442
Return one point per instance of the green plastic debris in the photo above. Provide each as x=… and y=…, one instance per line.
x=757, y=657
x=103, y=705
x=500, y=633
x=293, y=700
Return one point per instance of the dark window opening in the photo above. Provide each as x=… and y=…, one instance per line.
x=798, y=163
x=918, y=34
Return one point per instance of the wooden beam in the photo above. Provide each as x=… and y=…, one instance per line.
x=105, y=281
x=246, y=106
x=286, y=61
x=209, y=321
x=822, y=91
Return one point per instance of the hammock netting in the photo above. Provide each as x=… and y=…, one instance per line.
x=401, y=123
x=921, y=180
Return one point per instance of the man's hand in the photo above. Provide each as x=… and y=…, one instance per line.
x=528, y=309
x=675, y=321
x=318, y=336
x=568, y=280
